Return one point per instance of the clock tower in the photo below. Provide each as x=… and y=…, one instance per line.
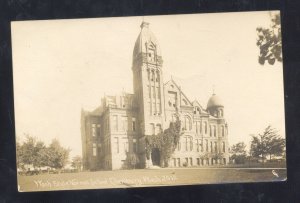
x=148, y=83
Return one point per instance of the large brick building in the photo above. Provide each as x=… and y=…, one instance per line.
x=118, y=127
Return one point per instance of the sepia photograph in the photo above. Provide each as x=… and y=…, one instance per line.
x=149, y=101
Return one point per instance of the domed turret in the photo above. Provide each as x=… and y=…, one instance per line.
x=215, y=106
x=214, y=101
x=146, y=44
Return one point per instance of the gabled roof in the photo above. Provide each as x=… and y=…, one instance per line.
x=179, y=88
x=196, y=103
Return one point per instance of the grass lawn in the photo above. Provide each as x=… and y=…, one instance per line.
x=146, y=177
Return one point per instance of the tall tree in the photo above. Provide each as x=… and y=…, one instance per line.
x=58, y=155
x=269, y=42
x=238, y=152
x=268, y=143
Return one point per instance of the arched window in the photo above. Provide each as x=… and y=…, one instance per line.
x=152, y=75
x=221, y=112
x=223, y=146
x=187, y=123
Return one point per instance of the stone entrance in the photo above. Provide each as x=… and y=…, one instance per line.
x=155, y=156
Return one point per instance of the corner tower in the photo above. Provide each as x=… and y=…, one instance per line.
x=148, y=81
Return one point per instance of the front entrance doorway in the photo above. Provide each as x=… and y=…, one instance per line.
x=155, y=156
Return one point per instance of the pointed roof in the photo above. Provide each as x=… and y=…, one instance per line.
x=178, y=87
x=145, y=36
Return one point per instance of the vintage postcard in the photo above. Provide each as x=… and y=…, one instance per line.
x=149, y=101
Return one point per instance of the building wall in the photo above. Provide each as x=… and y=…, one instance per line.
x=151, y=108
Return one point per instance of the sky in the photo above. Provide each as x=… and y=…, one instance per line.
x=62, y=66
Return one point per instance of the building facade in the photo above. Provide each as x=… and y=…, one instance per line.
x=114, y=133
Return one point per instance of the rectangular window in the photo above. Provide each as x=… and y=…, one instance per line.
x=133, y=124
x=222, y=129
x=94, y=130
x=158, y=108
x=179, y=146
x=178, y=161
x=149, y=91
x=172, y=99
x=124, y=123
x=216, y=147
x=125, y=143
x=94, y=149
x=197, y=143
x=206, y=145
x=117, y=144
x=135, y=147
x=211, y=147
x=157, y=92
x=115, y=123
x=153, y=91
x=158, y=128
x=152, y=127
x=186, y=144
x=198, y=161
x=174, y=162
x=200, y=127
x=191, y=161
x=215, y=131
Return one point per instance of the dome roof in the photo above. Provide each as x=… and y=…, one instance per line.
x=145, y=36
x=214, y=101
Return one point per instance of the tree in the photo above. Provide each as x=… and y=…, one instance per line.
x=166, y=142
x=19, y=154
x=77, y=162
x=268, y=143
x=57, y=155
x=269, y=42
x=31, y=152
x=238, y=153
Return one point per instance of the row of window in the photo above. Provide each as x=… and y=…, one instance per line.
x=187, y=125
x=123, y=124
x=187, y=144
x=95, y=130
x=188, y=161
x=154, y=108
x=153, y=92
x=153, y=75
x=121, y=145
x=155, y=129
